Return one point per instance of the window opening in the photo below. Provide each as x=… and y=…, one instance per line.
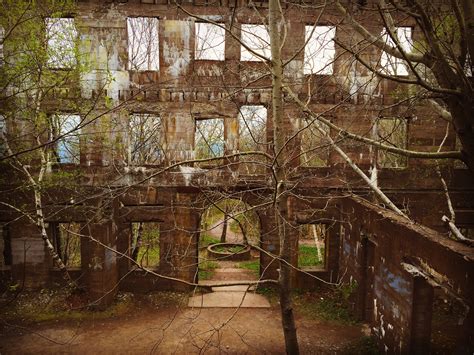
x=209, y=138
x=314, y=147
x=210, y=42
x=145, y=243
x=61, y=40
x=252, y=136
x=319, y=52
x=145, y=132
x=142, y=43
x=390, y=64
x=255, y=37
x=67, y=243
x=312, y=245
x=392, y=132
x=66, y=127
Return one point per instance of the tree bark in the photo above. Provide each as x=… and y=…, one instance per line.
x=275, y=21
x=224, y=224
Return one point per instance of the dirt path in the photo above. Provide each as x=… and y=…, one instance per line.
x=177, y=331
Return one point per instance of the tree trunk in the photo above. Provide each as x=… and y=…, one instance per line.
x=138, y=242
x=224, y=225
x=275, y=21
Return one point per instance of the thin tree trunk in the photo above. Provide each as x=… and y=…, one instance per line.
x=275, y=21
x=224, y=224
x=138, y=242
x=244, y=233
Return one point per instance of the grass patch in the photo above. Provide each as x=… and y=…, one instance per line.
x=206, y=269
x=206, y=239
x=328, y=305
x=253, y=265
x=308, y=256
x=365, y=345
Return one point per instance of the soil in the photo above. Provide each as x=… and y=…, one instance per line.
x=175, y=330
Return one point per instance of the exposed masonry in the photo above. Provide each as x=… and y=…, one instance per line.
x=366, y=247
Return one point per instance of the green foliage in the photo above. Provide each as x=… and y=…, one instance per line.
x=328, y=306
x=308, y=256
x=365, y=345
x=149, y=247
x=347, y=290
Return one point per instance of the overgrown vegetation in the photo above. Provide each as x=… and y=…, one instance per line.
x=206, y=239
x=327, y=304
x=61, y=304
x=206, y=269
x=308, y=256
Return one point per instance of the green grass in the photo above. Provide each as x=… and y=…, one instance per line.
x=326, y=304
x=329, y=305
x=253, y=265
x=308, y=256
x=206, y=239
x=206, y=269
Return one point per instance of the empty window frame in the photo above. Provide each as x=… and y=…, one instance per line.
x=5, y=247
x=315, y=148
x=209, y=141
x=312, y=245
x=252, y=137
x=256, y=38
x=61, y=38
x=66, y=128
x=67, y=243
x=142, y=43
x=209, y=42
x=145, y=244
x=145, y=139
x=319, y=52
x=252, y=127
x=392, y=65
x=392, y=132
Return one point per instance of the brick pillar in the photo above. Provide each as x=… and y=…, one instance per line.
x=269, y=242
x=31, y=262
x=179, y=247
x=100, y=264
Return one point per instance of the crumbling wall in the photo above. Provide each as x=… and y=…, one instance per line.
x=393, y=265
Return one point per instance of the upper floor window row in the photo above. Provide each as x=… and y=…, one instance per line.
x=143, y=45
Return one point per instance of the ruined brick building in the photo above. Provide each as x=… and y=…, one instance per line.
x=125, y=123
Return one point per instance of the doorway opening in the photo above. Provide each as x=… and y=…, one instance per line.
x=228, y=227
